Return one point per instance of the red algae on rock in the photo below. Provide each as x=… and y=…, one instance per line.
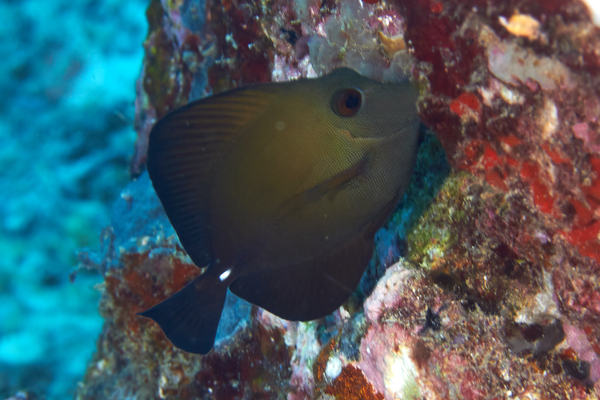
x=173, y=56
x=352, y=385
x=244, y=48
x=504, y=254
x=544, y=154
x=135, y=359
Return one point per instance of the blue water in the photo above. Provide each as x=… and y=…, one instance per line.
x=67, y=80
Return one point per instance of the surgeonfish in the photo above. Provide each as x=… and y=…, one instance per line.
x=278, y=189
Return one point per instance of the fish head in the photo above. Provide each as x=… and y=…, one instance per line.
x=366, y=108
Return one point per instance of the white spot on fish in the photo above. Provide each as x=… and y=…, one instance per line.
x=225, y=275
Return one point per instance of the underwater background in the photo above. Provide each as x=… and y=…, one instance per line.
x=67, y=79
x=485, y=282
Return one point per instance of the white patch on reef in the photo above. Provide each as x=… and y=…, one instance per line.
x=333, y=367
x=399, y=378
x=544, y=306
x=310, y=71
x=549, y=119
x=278, y=74
x=487, y=95
x=385, y=361
x=511, y=96
x=594, y=6
x=344, y=315
x=515, y=65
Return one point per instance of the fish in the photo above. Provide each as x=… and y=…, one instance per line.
x=277, y=190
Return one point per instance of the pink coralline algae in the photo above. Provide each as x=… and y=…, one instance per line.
x=485, y=281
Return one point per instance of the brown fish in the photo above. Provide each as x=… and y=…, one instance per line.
x=279, y=189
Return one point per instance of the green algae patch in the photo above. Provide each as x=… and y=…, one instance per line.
x=430, y=171
x=434, y=233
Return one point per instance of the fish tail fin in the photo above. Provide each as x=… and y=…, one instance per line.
x=190, y=317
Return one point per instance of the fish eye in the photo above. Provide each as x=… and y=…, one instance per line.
x=347, y=102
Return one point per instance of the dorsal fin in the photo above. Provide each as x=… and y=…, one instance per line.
x=184, y=148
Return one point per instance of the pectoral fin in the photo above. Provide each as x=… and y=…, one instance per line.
x=331, y=185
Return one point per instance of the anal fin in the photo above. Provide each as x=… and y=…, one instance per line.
x=311, y=289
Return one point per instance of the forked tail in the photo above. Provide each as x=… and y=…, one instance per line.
x=190, y=317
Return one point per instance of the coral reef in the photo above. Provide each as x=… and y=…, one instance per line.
x=484, y=282
x=67, y=79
